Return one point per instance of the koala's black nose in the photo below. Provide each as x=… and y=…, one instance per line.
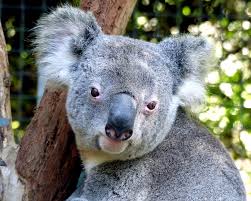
x=116, y=135
x=121, y=117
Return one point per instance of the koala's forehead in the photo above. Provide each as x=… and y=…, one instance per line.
x=119, y=48
x=125, y=59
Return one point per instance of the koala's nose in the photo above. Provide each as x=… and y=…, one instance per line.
x=121, y=117
x=116, y=135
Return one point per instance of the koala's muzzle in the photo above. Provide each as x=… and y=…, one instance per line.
x=121, y=117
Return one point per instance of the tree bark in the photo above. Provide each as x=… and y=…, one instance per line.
x=112, y=15
x=11, y=188
x=48, y=161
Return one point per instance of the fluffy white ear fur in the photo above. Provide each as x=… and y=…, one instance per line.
x=59, y=39
x=191, y=93
x=55, y=67
x=195, y=55
x=192, y=90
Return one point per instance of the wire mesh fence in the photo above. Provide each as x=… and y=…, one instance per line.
x=18, y=17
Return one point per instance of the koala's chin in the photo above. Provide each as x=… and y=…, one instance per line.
x=111, y=146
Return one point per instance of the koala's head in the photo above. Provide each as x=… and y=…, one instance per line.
x=122, y=93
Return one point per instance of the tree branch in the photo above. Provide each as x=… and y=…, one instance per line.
x=11, y=188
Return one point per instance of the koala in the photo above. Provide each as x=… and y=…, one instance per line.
x=126, y=103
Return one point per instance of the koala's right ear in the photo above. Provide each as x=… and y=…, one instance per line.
x=191, y=56
x=60, y=39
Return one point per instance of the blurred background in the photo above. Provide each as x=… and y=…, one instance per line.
x=227, y=111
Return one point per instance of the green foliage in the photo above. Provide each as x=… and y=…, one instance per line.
x=23, y=76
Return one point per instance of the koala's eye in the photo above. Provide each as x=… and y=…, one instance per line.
x=94, y=92
x=151, y=105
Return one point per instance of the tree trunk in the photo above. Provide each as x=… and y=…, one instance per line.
x=112, y=15
x=10, y=187
x=48, y=161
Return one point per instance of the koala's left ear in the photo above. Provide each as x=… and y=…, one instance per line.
x=60, y=39
x=189, y=58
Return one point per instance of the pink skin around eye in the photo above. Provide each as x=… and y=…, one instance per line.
x=150, y=107
x=95, y=92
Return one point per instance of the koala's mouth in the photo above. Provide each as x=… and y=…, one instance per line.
x=111, y=146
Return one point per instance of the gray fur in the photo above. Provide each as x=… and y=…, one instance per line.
x=169, y=156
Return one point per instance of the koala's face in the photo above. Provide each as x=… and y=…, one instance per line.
x=122, y=93
x=119, y=98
